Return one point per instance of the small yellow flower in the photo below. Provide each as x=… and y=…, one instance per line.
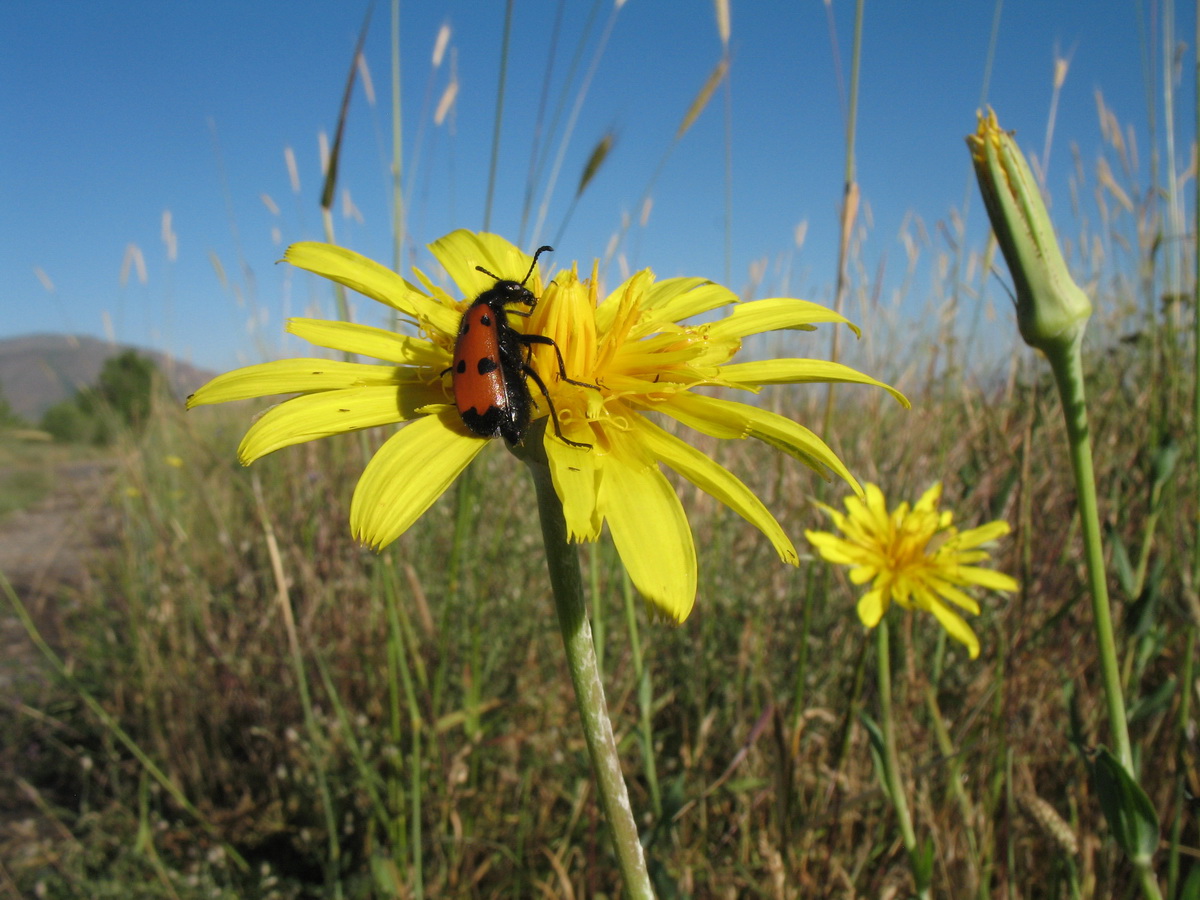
x=915, y=557
x=631, y=352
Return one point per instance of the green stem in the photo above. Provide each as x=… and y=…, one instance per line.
x=1068, y=374
x=1067, y=364
x=567, y=581
x=891, y=761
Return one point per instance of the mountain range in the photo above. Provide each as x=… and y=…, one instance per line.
x=40, y=370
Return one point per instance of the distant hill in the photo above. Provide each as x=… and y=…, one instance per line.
x=39, y=370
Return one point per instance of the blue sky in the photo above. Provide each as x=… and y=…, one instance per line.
x=114, y=113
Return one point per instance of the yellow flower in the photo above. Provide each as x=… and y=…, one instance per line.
x=915, y=557
x=631, y=352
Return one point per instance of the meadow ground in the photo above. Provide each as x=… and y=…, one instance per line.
x=423, y=738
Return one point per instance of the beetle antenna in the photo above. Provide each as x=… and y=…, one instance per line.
x=533, y=265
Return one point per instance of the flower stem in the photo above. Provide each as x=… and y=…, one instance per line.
x=1068, y=374
x=1067, y=364
x=891, y=762
x=567, y=581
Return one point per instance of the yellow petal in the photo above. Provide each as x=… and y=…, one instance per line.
x=449, y=305
x=957, y=628
x=716, y=481
x=380, y=343
x=293, y=376
x=726, y=418
x=839, y=520
x=652, y=536
x=576, y=475
x=930, y=499
x=871, y=607
x=358, y=273
x=975, y=536
x=676, y=299
x=832, y=548
x=461, y=251
x=873, y=508
x=410, y=471
x=622, y=309
x=864, y=571
x=800, y=371
x=565, y=315
x=326, y=413
x=940, y=590
x=987, y=578
x=776, y=314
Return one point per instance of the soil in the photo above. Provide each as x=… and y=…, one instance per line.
x=43, y=553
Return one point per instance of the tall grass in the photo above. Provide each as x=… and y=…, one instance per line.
x=385, y=725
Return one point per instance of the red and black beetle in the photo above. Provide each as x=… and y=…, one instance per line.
x=491, y=363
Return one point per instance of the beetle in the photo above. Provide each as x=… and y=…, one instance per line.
x=491, y=363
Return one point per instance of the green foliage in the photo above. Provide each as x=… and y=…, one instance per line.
x=69, y=423
x=126, y=386
x=120, y=400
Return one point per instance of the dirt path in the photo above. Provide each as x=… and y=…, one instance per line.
x=43, y=554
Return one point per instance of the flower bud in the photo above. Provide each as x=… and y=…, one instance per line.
x=1052, y=309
